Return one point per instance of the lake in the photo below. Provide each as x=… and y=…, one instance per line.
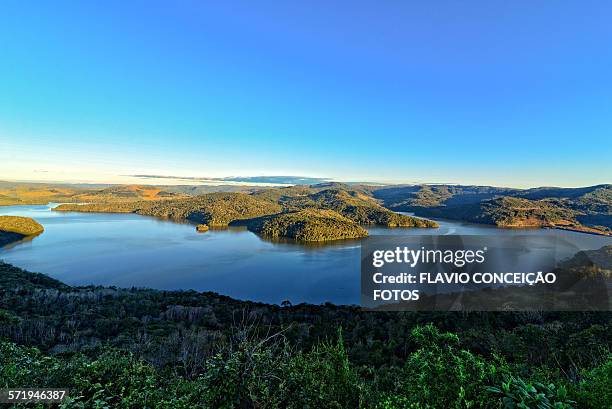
x=127, y=250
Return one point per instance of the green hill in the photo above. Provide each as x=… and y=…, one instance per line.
x=354, y=204
x=585, y=208
x=308, y=225
x=510, y=212
x=214, y=209
x=306, y=204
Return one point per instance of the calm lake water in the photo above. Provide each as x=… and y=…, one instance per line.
x=128, y=250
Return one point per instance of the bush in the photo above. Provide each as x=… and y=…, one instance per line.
x=323, y=377
x=519, y=394
x=595, y=389
x=270, y=375
x=441, y=375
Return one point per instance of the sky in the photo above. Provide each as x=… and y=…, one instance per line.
x=472, y=92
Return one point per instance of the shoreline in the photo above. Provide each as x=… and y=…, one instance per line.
x=585, y=230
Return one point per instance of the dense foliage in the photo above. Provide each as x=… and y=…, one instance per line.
x=585, y=209
x=214, y=209
x=319, y=213
x=510, y=212
x=309, y=225
x=353, y=204
x=146, y=348
x=585, y=206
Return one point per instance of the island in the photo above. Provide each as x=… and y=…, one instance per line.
x=201, y=228
x=15, y=228
x=309, y=225
x=316, y=213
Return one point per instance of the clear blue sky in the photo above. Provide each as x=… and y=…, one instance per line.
x=504, y=93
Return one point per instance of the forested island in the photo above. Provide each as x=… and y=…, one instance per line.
x=136, y=348
x=307, y=225
x=15, y=228
x=304, y=213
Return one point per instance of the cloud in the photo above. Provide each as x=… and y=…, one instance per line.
x=248, y=180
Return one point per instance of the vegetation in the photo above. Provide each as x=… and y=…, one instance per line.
x=516, y=212
x=355, y=204
x=516, y=393
x=511, y=212
x=140, y=348
x=43, y=193
x=307, y=226
x=20, y=225
x=305, y=213
x=202, y=228
x=585, y=209
x=122, y=193
x=214, y=209
x=414, y=197
x=32, y=193
x=15, y=228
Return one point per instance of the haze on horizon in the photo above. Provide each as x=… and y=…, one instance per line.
x=483, y=93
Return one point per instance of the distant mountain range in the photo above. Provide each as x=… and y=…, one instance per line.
x=585, y=208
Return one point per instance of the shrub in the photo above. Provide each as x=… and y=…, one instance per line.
x=519, y=394
x=595, y=389
x=323, y=377
x=441, y=375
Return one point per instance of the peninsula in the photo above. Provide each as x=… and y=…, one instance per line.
x=15, y=228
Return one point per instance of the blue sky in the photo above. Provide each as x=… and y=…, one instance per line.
x=484, y=92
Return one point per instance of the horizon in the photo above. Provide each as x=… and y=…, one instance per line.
x=510, y=95
x=184, y=181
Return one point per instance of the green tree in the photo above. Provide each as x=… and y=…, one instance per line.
x=439, y=374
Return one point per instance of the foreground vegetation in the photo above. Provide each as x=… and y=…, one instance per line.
x=139, y=348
